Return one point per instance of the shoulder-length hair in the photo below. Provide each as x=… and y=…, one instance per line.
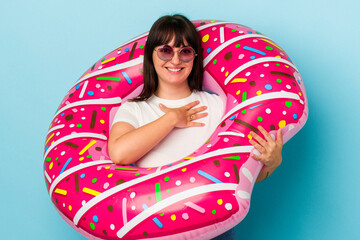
x=162, y=32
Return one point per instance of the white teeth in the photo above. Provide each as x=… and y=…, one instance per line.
x=174, y=70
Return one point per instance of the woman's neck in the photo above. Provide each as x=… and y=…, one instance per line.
x=172, y=92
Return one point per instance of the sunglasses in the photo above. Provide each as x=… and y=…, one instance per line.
x=166, y=53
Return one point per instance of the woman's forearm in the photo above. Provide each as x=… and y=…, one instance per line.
x=131, y=146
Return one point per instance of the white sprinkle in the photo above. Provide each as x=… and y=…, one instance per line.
x=132, y=195
x=83, y=118
x=106, y=185
x=118, y=52
x=241, y=31
x=74, y=110
x=226, y=139
x=255, y=40
x=215, y=39
x=227, y=174
x=59, y=122
x=58, y=133
x=98, y=86
x=266, y=65
x=72, y=125
x=178, y=183
x=83, y=202
x=82, y=109
x=268, y=110
x=133, y=207
x=192, y=179
x=214, y=28
x=53, y=176
x=185, y=216
x=248, y=74
x=102, y=90
x=288, y=86
x=99, y=168
x=112, y=226
x=228, y=206
x=284, y=112
x=222, y=69
x=241, y=56
x=262, y=75
x=100, y=67
x=62, y=153
x=209, y=146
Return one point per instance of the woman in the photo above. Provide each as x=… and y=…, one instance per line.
x=172, y=112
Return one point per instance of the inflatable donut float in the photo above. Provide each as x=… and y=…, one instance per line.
x=198, y=197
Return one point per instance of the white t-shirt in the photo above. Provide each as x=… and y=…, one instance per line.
x=180, y=142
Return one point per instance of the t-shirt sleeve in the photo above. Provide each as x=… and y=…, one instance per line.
x=127, y=112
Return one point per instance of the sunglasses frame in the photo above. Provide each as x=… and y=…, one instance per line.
x=173, y=53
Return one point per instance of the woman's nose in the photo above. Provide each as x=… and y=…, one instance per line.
x=176, y=59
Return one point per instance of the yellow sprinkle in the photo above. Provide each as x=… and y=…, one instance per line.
x=49, y=138
x=51, y=165
x=239, y=80
x=110, y=175
x=87, y=147
x=70, y=207
x=86, y=74
x=107, y=167
x=90, y=191
x=259, y=92
x=220, y=201
x=52, y=143
x=109, y=60
x=277, y=56
x=282, y=123
x=184, y=169
x=227, y=73
x=141, y=55
x=265, y=40
x=148, y=169
x=102, y=121
x=300, y=94
x=205, y=38
x=212, y=21
x=249, y=136
x=81, y=158
x=238, y=92
x=60, y=191
x=187, y=158
x=286, y=66
x=173, y=217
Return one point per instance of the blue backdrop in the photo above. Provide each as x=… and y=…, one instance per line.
x=46, y=46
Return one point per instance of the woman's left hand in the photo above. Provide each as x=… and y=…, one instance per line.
x=269, y=150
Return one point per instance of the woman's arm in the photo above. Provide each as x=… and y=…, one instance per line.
x=128, y=144
x=270, y=150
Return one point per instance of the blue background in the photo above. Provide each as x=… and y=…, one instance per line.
x=46, y=46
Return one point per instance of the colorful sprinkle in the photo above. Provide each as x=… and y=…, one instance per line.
x=254, y=50
x=108, y=78
x=268, y=87
x=208, y=176
x=92, y=226
x=158, y=192
x=95, y=218
x=173, y=217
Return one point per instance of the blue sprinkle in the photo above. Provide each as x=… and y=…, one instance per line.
x=82, y=175
x=268, y=87
x=126, y=49
x=77, y=86
x=126, y=77
x=62, y=114
x=157, y=222
x=232, y=117
x=298, y=81
x=208, y=50
x=65, y=165
x=144, y=206
x=295, y=116
x=255, y=106
x=46, y=148
x=168, y=165
x=252, y=57
x=90, y=93
x=95, y=218
x=254, y=50
x=117, y=64
x=208, y=176
x=249, y=31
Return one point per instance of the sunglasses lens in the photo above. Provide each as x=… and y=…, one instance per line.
x=187, y=54
x=165, y=53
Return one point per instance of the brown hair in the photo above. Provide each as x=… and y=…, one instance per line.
x=162, y=32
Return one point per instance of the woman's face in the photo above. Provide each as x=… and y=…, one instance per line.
x=173, y=71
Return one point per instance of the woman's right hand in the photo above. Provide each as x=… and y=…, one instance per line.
x=184, y=116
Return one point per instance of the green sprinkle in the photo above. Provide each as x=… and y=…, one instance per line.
x=215, y=61
x=288, y=104
x=260, y=119
x=48, y=159
x=94, y=180
x=213, y=211
x=102, y=59
x=103, y=108
x=167, y=190
x=234, y=30
x=78, y=125
x=162, y=214
x=277, y=64
x=137, y=174
x=109, y=78
x=56, y=158
x=232, y=157
x=92, y=226
x=127, y=169
x=269, y=48
x=258, y=32
x=244, y=96
x=243, y=111
x=278, y=80
x=166, y=179
x=88, y=156
x=141, y=46
x=158, y=192
x=237, y=45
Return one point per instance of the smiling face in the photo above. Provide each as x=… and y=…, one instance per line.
x=172, y=72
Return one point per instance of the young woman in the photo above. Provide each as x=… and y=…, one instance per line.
x=172, y=117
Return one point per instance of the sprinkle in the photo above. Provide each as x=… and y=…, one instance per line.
x=49, y=138
x=195, y=207
x=132, y=51
x=127, y=169
x=91, y=191
x=158, y=192
x=222, y=38
x=173, y=217
x=60, y=191
x=109, y=60
x=208, y=176
x=65, y=165
x=77, y=182
x=83, y=89
x=282, y=73
x=220, y=201
x=228, y=206
x=185, y=216
x=108, y=78
x=93, y=119
x=265, y=40
x=73, y=145
x=254, y=50
x=126, y=77
x=237, y=80
x=92, y=142
x=236, y=171
x=155, y=219
x=205, y=38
